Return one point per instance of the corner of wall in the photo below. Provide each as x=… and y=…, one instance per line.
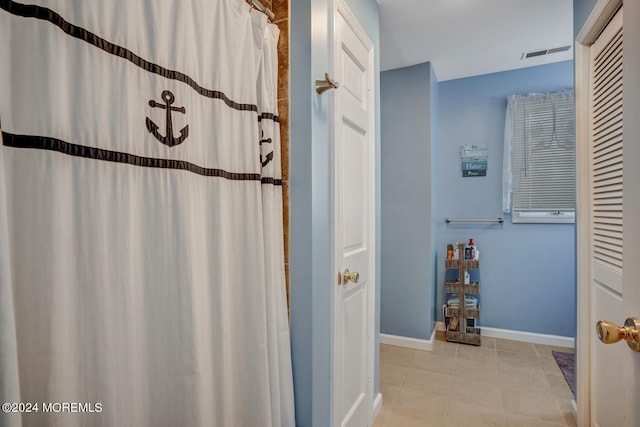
x=433, y=84
x=300, y=255
x=408, y=276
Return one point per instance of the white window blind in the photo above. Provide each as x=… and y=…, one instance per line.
x=539, y=161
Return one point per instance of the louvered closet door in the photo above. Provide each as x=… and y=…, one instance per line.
x=608, y=385
x=606, y=158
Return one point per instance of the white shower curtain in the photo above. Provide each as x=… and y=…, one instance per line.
x=141, y=252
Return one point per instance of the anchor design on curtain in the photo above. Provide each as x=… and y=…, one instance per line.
x=269, y=157
x=168, y=139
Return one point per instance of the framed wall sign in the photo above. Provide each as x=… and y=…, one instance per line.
x=473, y=160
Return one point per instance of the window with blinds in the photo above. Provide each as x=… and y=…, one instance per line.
x=543, y=164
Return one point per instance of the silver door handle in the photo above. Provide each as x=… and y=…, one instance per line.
x=323, y=85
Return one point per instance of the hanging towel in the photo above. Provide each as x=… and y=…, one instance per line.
x=469, y=301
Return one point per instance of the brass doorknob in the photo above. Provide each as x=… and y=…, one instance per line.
x=610, y=333
x=347, y=277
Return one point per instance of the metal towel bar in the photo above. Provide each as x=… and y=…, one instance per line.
x=498, y=220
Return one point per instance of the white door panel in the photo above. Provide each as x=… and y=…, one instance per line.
x=354, y=77
x=610, y=411
x=353, y=148
x=353, y=180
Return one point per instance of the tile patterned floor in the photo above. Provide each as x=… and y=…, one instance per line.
x=499, y=384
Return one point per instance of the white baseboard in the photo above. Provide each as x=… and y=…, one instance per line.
x=531, y=337
x=377, y=405
x=415, y=343
x=506, y=334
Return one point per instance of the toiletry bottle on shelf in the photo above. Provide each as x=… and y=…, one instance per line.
x=454, y=324
x=468, y=251
x=467, y=277
x=449, y=251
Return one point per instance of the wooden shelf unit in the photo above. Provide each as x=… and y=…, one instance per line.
x=465, y=334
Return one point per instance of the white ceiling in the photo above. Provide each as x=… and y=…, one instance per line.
x=463, y=38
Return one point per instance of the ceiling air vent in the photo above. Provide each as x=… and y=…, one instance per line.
x=558, y=49
x=541, y=52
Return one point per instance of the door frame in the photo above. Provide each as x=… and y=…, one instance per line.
x=340, y=8
x=600, y=16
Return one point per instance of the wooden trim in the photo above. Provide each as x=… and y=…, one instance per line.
x=600, y=16
x=583, y=276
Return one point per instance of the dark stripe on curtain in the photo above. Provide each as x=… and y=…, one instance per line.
x=271, y=180
x=46, y=14
x=53, y=144
x=268, y=116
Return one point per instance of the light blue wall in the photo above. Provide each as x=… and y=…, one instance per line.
x=527, y=271
x=408, y=260
x=300, y=210
x=310, y=207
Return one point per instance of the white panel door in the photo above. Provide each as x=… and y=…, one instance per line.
x=353, y=190
x=613, y=280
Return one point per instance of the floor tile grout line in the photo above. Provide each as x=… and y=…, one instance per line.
x=455, y=356
x=404, y=379
x=561, y=412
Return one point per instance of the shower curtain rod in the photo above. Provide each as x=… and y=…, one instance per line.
x=259, y=7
